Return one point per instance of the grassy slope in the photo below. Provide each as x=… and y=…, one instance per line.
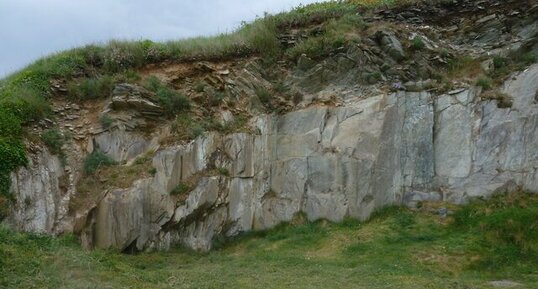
x=396, y=249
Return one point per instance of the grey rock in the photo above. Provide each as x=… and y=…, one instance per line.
x=391, y=44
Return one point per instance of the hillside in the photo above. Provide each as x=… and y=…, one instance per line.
x=325, y=114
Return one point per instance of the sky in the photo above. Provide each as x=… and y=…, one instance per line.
x=30, y=29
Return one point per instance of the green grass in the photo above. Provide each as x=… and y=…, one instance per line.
x=397, y=248
x=180, y=189
x=95, y=160
x=54, y=140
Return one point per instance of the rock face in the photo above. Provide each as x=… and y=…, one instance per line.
x=326, y=162
x=329, y=163
x=39, y=196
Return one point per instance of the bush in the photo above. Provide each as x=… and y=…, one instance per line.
x=224, y=172
x=499, y=62
x=26, y=104
x=54, y=140
x=199, y=86
x=263, y=95
x=215, y=98
x=95, y=160
x=153, y=84
x=172, y=101
x=13, y=155
x=418, y=43
x=337, y=33
x=10, y=125
x=92, y=88
x=484, y=82
x=106, y=121
x=180, y=189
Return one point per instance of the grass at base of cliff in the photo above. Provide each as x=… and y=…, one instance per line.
x=397, y=248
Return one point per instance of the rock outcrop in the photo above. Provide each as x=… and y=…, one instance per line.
x=341, y=146
x=329, y=163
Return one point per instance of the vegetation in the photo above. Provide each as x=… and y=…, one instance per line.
x=91, y=186
x=92, y=88
x=418, y=43
x=397, y=248
x=264, y=96
x=106, y=121
x=172, y=101
x=180, y=189
x=484, y=82
x=54, y=140
x=95, y=160
x=337, y=33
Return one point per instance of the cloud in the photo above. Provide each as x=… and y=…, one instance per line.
x=30, y=29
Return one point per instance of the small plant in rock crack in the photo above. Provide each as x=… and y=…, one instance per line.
x=95, y=160
x=484, y=82
x=106, y=121
x=224, y=172
x=418, y=43
x=180, y=189
x=54, y=140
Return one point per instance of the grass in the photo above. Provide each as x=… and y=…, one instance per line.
x=92, y=88
x=95, y=160
x=397, y=248
x=91, y=186
x=54, y=140
x=180, y=189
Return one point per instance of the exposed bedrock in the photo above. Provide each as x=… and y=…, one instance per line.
x=326, y=162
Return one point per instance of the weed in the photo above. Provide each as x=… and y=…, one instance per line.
x=152, y=171
x=54, y=140
x=374, y=77
x=224, y=172
x=173, y=101
x=263, y=95
x=499, y=62
x=418, y=43
x=180, y=189
x=92, y=88
x=106, y=121
x=337, y=33
x=215, y=98
x=95, y=160
x=484, y=82
x=199, y=86
x=152, y=83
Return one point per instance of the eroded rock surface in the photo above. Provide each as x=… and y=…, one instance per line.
x=330, y=163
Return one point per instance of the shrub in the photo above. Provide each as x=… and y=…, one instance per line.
x=106, y=121
x=224, y=172
x=95, y=160
x=418, y=43
x=92, y=88
x=263, y=95
x=54, y=140
x=180, y=189
x=13, y=155
x=499, y=62
x=337, y=33
x=10, y=125
x=173, y=101
x=153, y=84
x=215, y=98
x=152, y=171
x=484, y=82
x=26, y=104
x=199, y=86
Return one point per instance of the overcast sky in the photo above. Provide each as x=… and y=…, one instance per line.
x=30, y=29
